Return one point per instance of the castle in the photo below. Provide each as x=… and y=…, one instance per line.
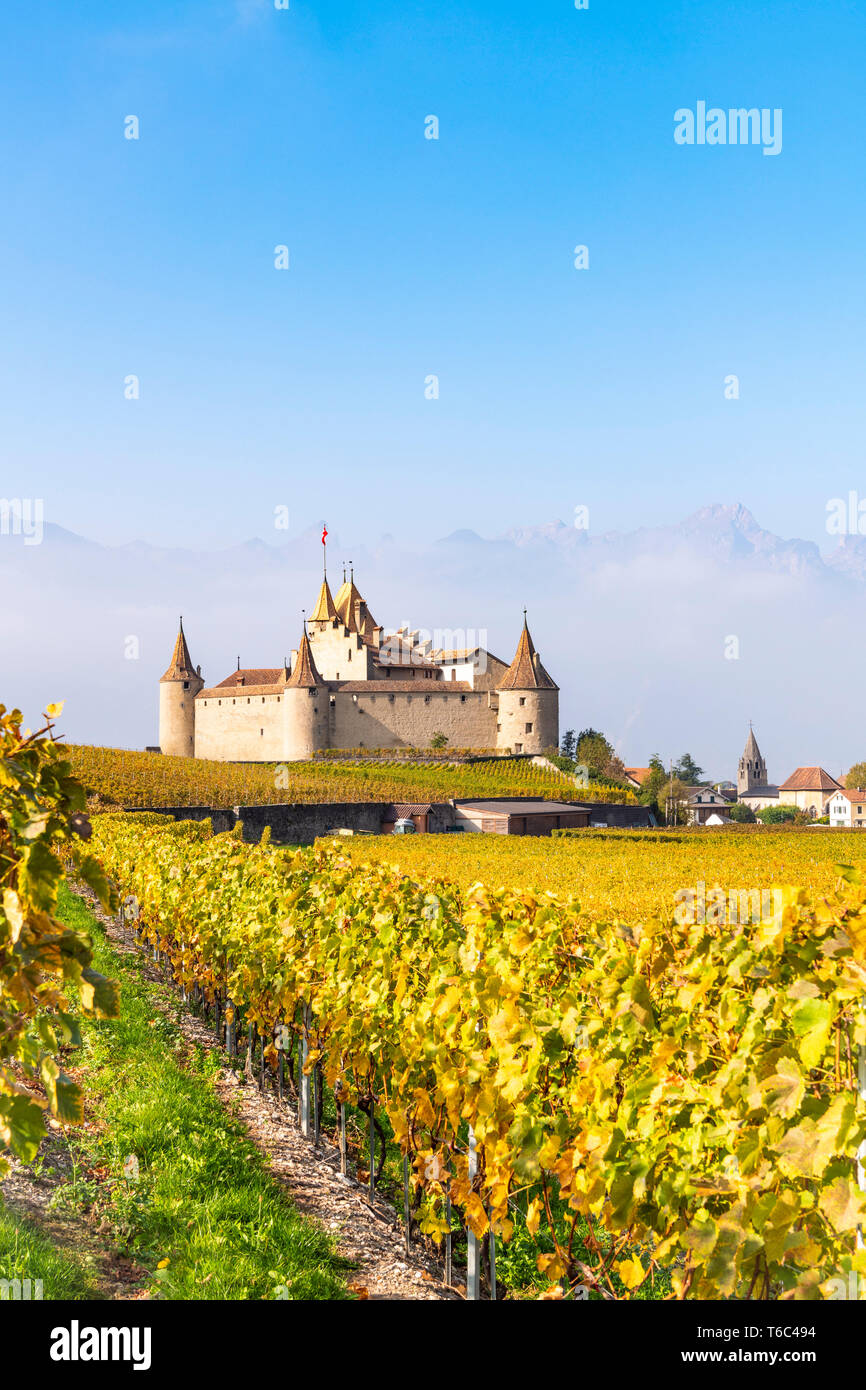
x=352, y=685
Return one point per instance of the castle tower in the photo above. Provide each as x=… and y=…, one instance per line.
x=752, y=770
x=306, y=710
x=177, y=691
x=528, y=702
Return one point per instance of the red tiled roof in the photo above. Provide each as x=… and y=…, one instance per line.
x=638, y=774
x=254, y=675
x=856, y=795
x=809, y=779
x=414, y=687
x=256, y=680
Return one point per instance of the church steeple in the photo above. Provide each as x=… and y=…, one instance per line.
x=752, y=769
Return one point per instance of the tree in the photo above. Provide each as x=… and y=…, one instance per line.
x=778, y=815
x=743, y=814
x=438, y=740
x=595, y=752
x=855, y=778
x=651, y=793
x=688, y=771
x=568, y=745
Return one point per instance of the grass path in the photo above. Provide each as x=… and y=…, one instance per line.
x=168, y=1179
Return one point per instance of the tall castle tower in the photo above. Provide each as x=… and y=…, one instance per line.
x=752, y=770
x=528, y=702
x=306, y=706
x=177, y=691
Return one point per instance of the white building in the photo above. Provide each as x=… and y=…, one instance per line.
x=847, y=807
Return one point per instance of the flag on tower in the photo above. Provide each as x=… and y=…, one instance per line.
x=324, y=533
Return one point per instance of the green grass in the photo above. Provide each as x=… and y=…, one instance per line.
x=25, y=1253
x=204, y=1201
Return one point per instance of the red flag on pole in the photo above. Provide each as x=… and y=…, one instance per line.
x=324, y=534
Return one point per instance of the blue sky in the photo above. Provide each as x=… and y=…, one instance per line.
x=412, y=257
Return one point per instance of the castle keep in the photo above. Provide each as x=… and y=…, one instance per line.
x=352, y=685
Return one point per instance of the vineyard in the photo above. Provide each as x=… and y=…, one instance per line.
x=623, y=874
x=647, y=1106
x=124, y=778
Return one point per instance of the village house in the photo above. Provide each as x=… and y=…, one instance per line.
x=808, y=788
x=847, y=807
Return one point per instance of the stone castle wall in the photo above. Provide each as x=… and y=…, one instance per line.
x=404, y=720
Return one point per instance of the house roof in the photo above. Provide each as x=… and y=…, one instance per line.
x=250, y=680
x=391, y=686
x=254, y=675
x=855, y=794
x=526, y=671
x=706, y=792
x=532, y=806
x=809, y=779
x=638, y=774
x=180, y=667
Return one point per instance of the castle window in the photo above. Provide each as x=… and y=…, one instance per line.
x=391, y=698
x=261, y=731
x=426, y=699
x=499, y=728
x=219, y=702
x=333, y=700
x=350, y=655
x=523, y=700
x=248, y=699
x=186, y=685
x=263, y=699
x=234, y=702
x=313, y=692
x=529, y=728
x=518, y=747
x=463, y=699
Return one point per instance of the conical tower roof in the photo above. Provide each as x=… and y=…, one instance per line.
x=325, y=610
x=342, y=593
x=304, y=674
x=526, y=671
x=346, y=607
x=180, y=668
x=751, y=752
